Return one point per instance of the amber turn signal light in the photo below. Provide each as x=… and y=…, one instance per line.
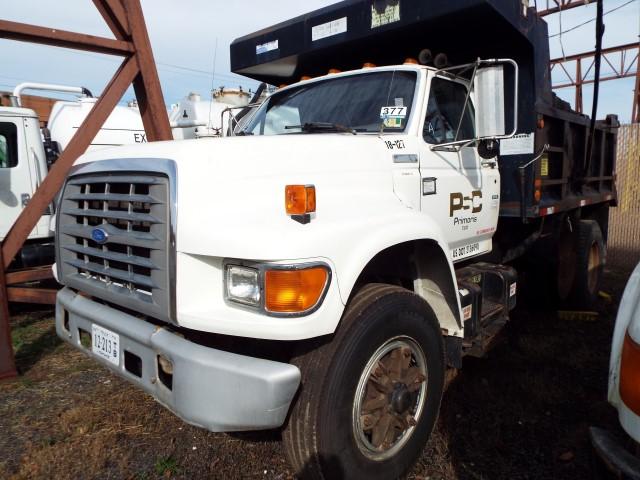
x=300, y=199
x=630, y=374
x=294, y=291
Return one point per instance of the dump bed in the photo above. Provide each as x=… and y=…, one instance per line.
x=348, y=34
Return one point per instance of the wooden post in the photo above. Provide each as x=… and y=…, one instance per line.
x=126, y=21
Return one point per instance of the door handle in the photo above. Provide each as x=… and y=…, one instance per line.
x=24, y=199
x=488, y=163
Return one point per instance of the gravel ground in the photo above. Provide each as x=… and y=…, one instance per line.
x=522, y=412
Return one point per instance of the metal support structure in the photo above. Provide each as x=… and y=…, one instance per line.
x=635, y=114
x=126, y=22
x=555, y=6
x=622, y=62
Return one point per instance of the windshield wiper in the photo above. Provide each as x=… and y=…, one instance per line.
x=322, y=127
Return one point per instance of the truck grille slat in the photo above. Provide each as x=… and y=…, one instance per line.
x=136, y=179
x=113, y=239
x=110, y=273
x=114, y=197
x=108, y=255
x=110, y=214
x=133, y=238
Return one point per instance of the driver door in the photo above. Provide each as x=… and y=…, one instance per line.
x=459, y=190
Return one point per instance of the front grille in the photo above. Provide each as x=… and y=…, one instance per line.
x=113, y=239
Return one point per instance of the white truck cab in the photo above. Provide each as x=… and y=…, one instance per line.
x=23, y=165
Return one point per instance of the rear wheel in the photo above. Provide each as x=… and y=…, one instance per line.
x=371, y=395
x=590, y=261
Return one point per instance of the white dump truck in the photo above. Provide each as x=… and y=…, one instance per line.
x=361, y=232
x=27, y=151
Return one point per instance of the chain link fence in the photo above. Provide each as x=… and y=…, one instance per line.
x=624, y=221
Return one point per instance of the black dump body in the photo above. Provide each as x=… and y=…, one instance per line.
x=464, y=30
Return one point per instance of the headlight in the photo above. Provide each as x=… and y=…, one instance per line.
x=278, y=290
x=243, y=285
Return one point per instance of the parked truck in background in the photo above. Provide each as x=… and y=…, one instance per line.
x=27, y=151
x=624, y=387
x=360, y=234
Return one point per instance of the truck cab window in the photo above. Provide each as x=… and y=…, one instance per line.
x=354, y=101
x=444, y=109
x=8, y=145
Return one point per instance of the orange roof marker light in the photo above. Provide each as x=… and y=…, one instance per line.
x=369, y=65
x=410, y=61
x=305, y=77
x=334, y=70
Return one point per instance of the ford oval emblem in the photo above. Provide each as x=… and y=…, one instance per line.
x=99, y=236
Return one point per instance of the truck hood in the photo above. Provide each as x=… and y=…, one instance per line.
x=230, y=191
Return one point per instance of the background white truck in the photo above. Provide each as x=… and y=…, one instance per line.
x=624, y=387
x=27, y=151
x=321, y=269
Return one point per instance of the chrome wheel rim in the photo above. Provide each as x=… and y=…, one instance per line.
x=390, y=398
x=593, y=267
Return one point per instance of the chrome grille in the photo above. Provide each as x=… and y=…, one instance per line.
x=128, y=264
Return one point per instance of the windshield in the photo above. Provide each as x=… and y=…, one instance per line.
x=370, y=102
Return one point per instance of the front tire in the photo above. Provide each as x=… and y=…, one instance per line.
x=370, y=396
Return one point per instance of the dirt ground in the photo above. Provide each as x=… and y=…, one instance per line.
x=522, y=412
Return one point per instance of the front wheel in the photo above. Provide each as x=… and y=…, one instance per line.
x=370, y=396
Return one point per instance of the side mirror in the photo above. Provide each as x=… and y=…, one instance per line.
x=490, y=107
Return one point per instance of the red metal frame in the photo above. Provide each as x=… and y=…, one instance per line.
x=126, y=22
x=623, y=61
x=555, y=6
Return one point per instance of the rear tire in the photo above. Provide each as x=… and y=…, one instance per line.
x=591, y=254
x=389, y=350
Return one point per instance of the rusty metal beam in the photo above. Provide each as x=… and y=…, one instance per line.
x=624, y=64
x=554, y=6
x=43, y=296
x=635, y=114
x=114, y=16
x=29, y=275
x=125, y=20
x=147, y=84
x=63, y=38
x=7, y=363
x=51, y=184
x=584, y=55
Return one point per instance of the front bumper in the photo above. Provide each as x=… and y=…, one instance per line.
x=617, y=459
x=210, y=388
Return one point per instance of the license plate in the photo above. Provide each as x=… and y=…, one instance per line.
x=105, y=344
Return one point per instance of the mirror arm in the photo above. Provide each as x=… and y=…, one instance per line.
x=466, y=100
x=452, y=146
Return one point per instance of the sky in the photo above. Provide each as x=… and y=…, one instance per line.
x=190, y=41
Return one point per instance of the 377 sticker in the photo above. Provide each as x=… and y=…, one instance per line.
x=465, y=251
x=393, y=112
